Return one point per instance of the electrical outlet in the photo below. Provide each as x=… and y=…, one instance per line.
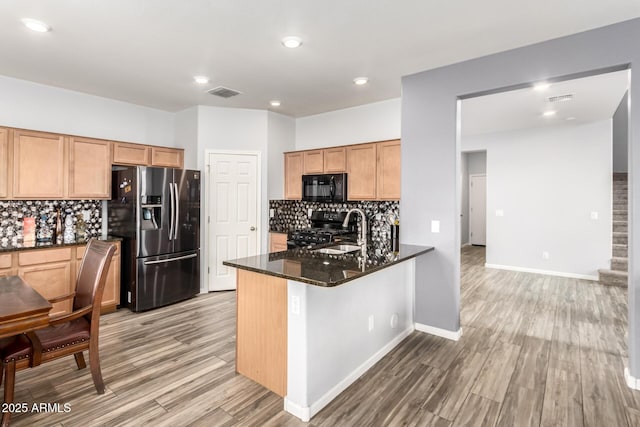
x=295, y=304
x=309, y=212
x=499, y=212
x=545, y=255
x=272, y=213
x=371, y=323
x=435, y=226
x=594, y=215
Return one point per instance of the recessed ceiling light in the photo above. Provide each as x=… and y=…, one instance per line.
x=549, y=113
x=201, y=79
x=292, y=42
x=361, y=81
x=541, y=86
x=275, y=103
x=34, y=25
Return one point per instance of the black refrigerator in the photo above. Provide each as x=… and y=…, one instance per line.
x=157, y=213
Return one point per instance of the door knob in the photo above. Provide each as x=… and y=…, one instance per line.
x=252, y=228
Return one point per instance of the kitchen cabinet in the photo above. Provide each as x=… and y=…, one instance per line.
x=39, y=165
x=313, y=162
x=335, y=160
x=50, y=272
x=131, y=154
x=6, y=265
x=4, y=163
x=111, y=296
x=277, y=242
x=361, y=167
x=388, y=170
x=293, y=168
x=89, y=168
x=167, y=157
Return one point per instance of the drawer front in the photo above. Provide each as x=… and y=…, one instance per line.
x=5, y=261
x=43, y=256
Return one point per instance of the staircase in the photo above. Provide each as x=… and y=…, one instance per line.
x=618, y=274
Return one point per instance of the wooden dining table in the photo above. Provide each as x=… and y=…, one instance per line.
x=22, y=308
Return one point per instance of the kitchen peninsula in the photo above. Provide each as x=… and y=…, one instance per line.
x=310, y=323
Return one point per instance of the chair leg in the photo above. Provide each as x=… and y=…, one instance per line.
x=80, y=360
x=96, y=374
x=9, y=384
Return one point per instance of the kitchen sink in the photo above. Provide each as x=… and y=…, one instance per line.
x=338, y=249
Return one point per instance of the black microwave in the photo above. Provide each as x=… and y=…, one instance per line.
x=324, y=188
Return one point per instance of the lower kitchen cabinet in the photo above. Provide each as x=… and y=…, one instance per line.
x=53, y=272
x=277, y=242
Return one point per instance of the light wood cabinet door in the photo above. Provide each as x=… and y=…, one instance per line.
x=131, y=154
x=293, y=167
x=6, y=265
x=167, y=157
x=111, y=296
x=4, y=163
x=89, y=168
x=277, y=242
x=39, y=166
x=335, y=160
x=388, y=167
x=313, y=162
x=361, y=167
x=50, y=273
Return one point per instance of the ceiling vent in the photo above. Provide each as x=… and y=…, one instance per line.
x=561, y=98
x=223, y=92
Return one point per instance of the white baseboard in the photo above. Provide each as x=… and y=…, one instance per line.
x=305, y=413
x=547, y=272
x=632, y=382
x=444, y=333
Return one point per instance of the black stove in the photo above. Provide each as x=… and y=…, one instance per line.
x=326, y=227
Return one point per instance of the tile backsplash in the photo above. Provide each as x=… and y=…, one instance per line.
x=12, y=213
x=293, y=214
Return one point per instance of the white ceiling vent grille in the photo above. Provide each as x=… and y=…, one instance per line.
x=223, y=92
x=561, y=98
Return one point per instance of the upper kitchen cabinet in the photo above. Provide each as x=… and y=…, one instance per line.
x=4, y=163
x=131, y=154
x=313, y=162
x=335, y=160
x=388, y=169
x=293, y=168
x=39, y=166
x=167, y=157
x=361, y=167
x=89, y=168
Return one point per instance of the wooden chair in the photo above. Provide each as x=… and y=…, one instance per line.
x=68, y=333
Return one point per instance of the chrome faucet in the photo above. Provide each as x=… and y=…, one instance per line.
x=362, y=239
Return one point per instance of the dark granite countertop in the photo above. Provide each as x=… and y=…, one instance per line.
x=314, y=268
x=48, y=245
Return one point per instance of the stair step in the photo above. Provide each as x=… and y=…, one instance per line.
x=620, y=238
x=613, y=278
x=619, y=251
x=620, y=176
x=620, y=226
x=620, y=214
x=619, y=264
x=620, y=206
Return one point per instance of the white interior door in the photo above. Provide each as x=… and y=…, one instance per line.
x=233, y=214
x=478, y=210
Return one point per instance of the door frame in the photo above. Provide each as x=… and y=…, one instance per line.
x=205, y=250
x=485, y=204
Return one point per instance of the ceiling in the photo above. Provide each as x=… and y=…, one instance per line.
x=147, y=51
x=594, y=98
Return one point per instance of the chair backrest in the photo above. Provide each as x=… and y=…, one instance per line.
x=92, y=275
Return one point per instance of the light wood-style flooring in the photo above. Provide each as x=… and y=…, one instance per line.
x=536, y=351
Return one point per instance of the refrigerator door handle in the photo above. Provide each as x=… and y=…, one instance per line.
x=176, y=216
x=170, y=259
x=173, y=209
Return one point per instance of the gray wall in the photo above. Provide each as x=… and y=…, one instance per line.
x=472, y=163
x=430, y=156
x=621, y=135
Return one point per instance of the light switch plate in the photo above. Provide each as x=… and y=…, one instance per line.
x=435, y=226
x=295, y=304
x=499, y=212
x=594, y=215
